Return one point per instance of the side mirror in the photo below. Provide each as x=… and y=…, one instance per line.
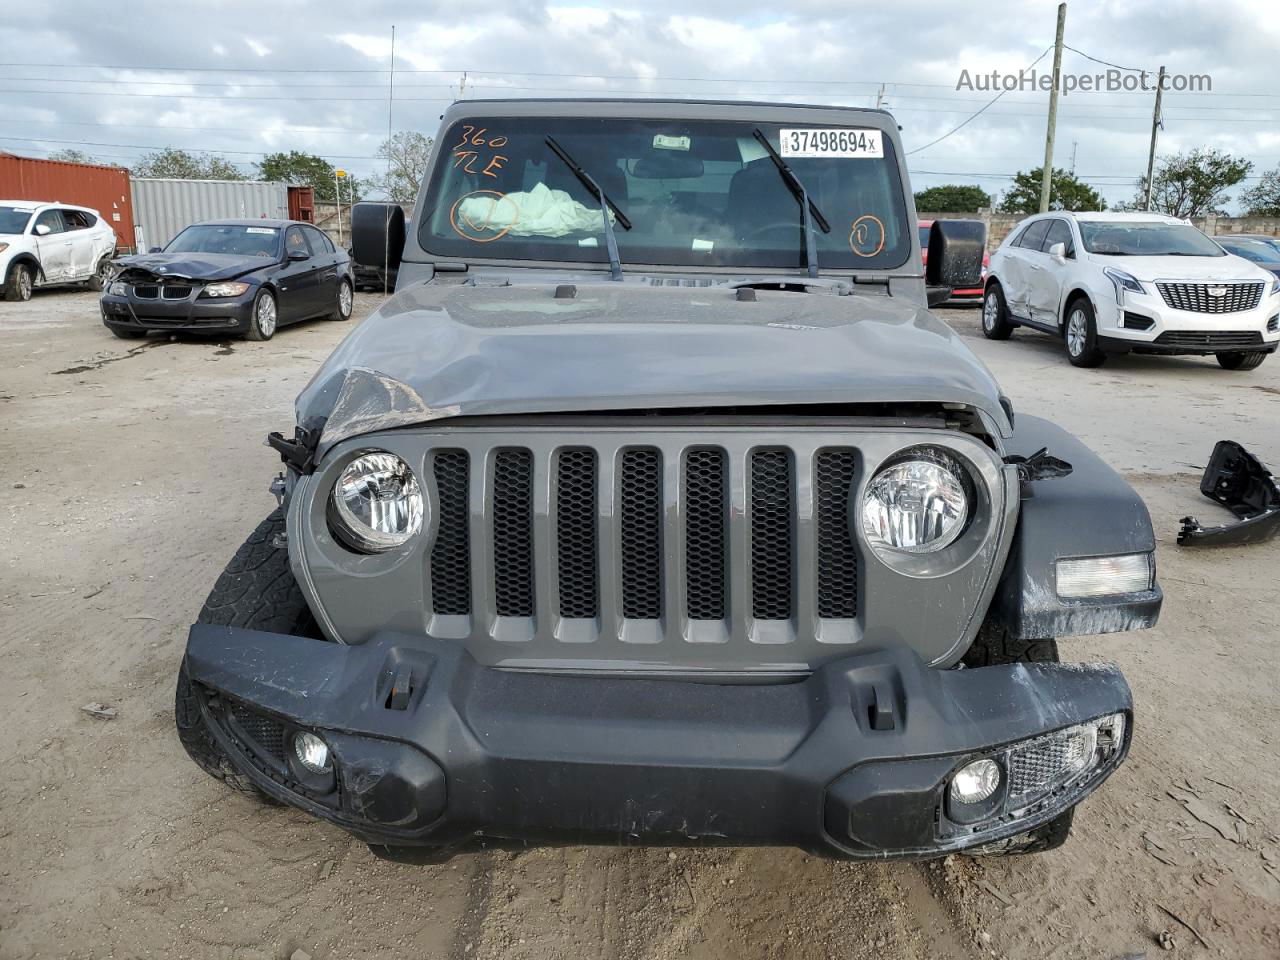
x=42, y=230
x=1059, y=252
x=955, y=253
x=377, y=234
x=295, y=255
x=155, y=250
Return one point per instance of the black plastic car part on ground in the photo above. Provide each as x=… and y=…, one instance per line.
x=432, y=749
x=1240, y=482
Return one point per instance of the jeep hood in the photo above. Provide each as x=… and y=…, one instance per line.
x=437, y=350
x=194, y=266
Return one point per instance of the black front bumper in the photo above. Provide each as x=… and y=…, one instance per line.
x=210, y=314
x=432, y=749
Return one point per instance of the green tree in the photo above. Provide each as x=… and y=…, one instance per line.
x=308, y=170
x=72, y=156
x=1263, y=199
x=1191, y=184
x=174, y=164
x=1065, y=193
x=406, y=154
x=953, y=198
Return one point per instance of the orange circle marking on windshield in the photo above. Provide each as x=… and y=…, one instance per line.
x=863, y=234
x=468, y=228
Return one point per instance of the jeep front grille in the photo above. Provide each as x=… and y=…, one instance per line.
x=1211, y=297
x=625, y=527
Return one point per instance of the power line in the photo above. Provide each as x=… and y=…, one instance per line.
x=978, y=113
x=146, y=146
x=1105, y=63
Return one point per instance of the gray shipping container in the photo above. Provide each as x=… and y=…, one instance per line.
x=164, y=208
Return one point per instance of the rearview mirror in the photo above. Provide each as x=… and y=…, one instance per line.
x=955, y=253
x=1059, y=252
x=298, y=255
x=42, y=230
x=155, y=250
x=377, y=234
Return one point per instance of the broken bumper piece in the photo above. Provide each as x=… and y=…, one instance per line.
x=1240, y=482
x=430, y=749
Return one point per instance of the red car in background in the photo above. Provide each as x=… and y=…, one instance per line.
x=962, y=295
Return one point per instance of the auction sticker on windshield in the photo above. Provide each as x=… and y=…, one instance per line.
x=831, y=143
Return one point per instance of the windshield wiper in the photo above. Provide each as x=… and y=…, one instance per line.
x=610, y=241
x=807, y=206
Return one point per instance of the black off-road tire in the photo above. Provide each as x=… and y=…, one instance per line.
x=994, y=646
x=995, y=313
x=18, y=284
x=1241, y=361
x=257, y=591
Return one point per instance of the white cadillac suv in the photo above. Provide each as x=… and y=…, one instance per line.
x=1141, y=282
x=44, y=244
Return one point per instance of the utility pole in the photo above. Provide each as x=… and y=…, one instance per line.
x=1156, y=123
x=1074, y=144
x=1047, y=175
x=462, y=86
x=880, y=97
x=338, y=175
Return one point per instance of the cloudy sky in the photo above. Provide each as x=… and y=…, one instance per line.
x=240, y=78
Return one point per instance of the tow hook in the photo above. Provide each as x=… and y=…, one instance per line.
x=1240, y=482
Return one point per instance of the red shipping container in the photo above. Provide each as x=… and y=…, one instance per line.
x=105, y=189
x=302, y=204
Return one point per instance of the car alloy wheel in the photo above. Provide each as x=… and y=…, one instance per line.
x=25, y=283
x=1077, y=332
x=990, y=309
x=265, y=316
x=344, y=300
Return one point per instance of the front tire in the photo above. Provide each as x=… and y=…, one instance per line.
x=346, y=300
x=101, y=275
x=995, y=314
x=256, y=591
x=1081, y=335
x=20, y=283
x=1241, y=361
x=264, y=318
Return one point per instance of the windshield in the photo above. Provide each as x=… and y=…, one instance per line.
x=239, y=239
x=1146, y=240
x=1259, y=251
x=696, y=193
x=14, y=219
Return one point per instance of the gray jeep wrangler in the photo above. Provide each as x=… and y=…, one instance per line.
x=656, y=508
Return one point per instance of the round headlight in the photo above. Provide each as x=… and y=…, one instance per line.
x=377, y=503
x=918, y=503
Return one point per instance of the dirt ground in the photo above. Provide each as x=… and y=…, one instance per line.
x=130, y=472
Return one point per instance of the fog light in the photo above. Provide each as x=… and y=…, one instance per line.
x=313, y=753
x=975, y=782
x=1105, y=576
